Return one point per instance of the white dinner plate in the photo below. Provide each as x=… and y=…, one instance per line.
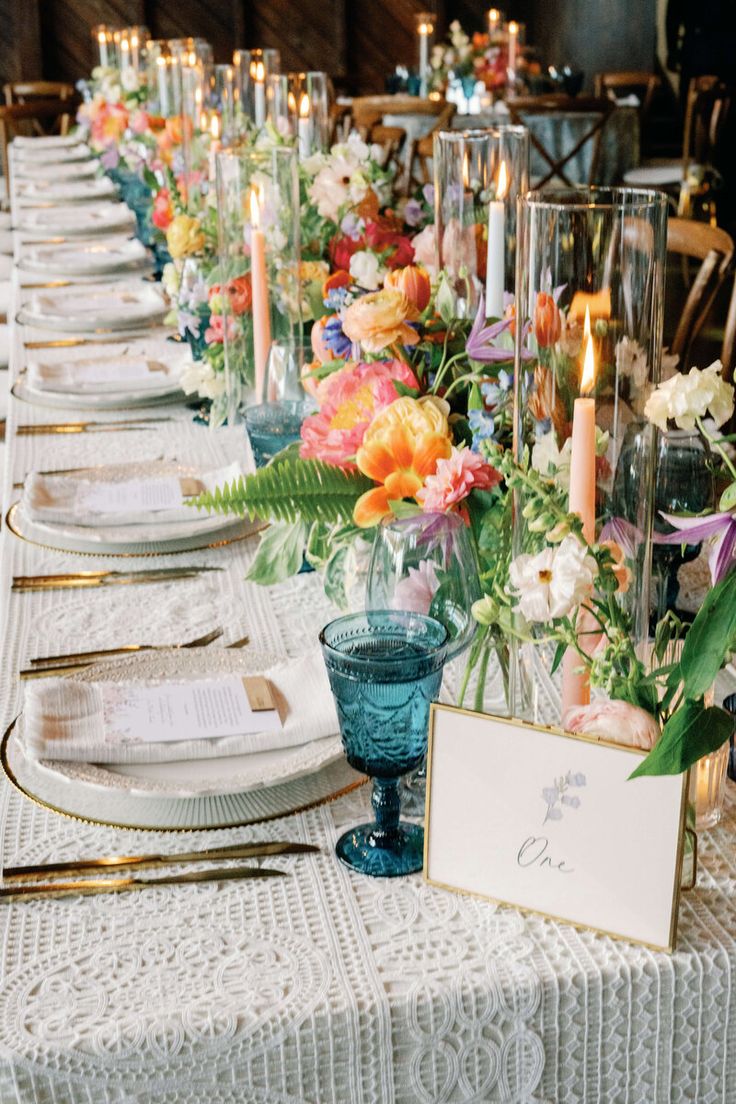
x=93, y=257
x=154, y=538
x=45, y=141
x=92, y=307
x=76, y=170
x=65, y=191
x=76, y=220
x=36, y=153
x=206, y=793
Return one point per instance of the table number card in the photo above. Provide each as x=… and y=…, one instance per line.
x=548, y=821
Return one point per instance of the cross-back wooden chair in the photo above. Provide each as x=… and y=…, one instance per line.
x=29, y=92
x=626, y=81
x=714, y=248
x=367, y=111
x=392, y=140
x=419, y=170
x=14, y=117
x=554, y=104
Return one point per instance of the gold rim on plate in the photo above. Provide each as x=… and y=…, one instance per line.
x=305, y=808
x=11, y=523
x=175, y=398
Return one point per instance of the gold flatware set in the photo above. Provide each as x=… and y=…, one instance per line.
x=32, y=882
x=92, y=579
x=41, y=429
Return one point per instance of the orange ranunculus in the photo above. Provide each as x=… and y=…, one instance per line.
x=175, y=127
x=597, y=302
x=547, y=321
x=378, y=320
x=400, y=449
x=240, y=294
x=414, y=282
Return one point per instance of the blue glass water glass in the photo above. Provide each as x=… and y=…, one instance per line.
x=272, y=426
x=384, y=667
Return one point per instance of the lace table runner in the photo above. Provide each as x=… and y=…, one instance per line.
x=323, y=987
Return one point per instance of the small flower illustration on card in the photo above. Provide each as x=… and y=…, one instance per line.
x=558, y=796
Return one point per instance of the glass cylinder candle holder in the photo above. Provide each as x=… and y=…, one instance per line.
x=137, y=37
x=495, y=21
x=708, y=788
x=310, y=104
x=191, y=50
x=280, y=113
x=253, y=68
x=195, y=129
x=258, y=228
x=478, y=175
x=163, y=80
x=425, y=23
x=588, y=323
x=224, y=99
x=103, y=37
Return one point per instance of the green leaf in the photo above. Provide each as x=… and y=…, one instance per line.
x=690, y=733
x=279, y=554
x=289, y=490
x=559, y=655
x=728, y=498
x=401, y=509
x=708, y=642
x=475, y=398
x=334, y=577
x=403, y=389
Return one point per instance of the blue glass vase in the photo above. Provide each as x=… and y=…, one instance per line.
x=384, y=667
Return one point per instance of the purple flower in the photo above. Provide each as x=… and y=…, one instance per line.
x=352, y=226
x=626, y=535
x=480, y=344
x=413, y=212
x=110, y=158
x=428, y=193
x=692, y=530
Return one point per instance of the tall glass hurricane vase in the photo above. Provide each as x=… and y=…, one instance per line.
x=478, y=175
x=260, y=295
x=590, y=275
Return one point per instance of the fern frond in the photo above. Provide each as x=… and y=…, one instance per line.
x=289, y=490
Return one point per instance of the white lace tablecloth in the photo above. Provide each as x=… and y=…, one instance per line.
x=323, y=987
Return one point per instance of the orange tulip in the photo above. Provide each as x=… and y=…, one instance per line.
x=547, y=321
x=414, y=282
x=338, y=279
x=400, y=449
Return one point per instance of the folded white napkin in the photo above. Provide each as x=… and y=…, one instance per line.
x=134, y=501
x=154, y=368
x=87, y=217
x=63, y=719
x=124, y=302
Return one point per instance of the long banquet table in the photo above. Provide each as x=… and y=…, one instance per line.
x=323, y=986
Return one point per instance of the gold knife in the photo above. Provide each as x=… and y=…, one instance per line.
x=41, y=428
x=72, y=342
x=146, y=862
x=124, y=649
x=92, y=886
x=106, y=578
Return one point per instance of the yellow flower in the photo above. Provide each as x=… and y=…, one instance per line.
x=184, y=236
x=400, y=449
x=379, y=319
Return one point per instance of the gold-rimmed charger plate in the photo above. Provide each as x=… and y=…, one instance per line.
x=60, y=400
x=231, y=532
x=182, y=796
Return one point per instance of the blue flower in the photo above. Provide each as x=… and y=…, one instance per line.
x=482, y=427
x=335, y=298
x=335, y=339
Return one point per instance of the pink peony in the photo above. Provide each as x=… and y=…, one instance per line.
x=417, y=589
x=616, y=721
x=215, y=332
x=349, y=399
x=454, y=479
x=425, y=249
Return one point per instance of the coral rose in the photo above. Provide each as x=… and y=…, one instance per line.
x=454, y=479
x=617, y=721
x=184, y=236
x=415, y=284
x=400, y=449
x=547, y=320
x=240, y=294
x=349, y=400
x=379, y=319
x=162, y=210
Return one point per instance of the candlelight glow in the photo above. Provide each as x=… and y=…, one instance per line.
x=587, y=379
x=494, y=15
x=425, y=28
x=203, y=121
x=502, y=184
x=292, y=103
x=255, y=206
x=124, y=44
x=134, y=41
x=101, y=38
x=304, y=106
x=215, y=127
x=466, y=171
x=258, y=71
x=513, y=27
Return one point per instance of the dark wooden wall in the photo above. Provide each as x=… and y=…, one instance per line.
x=358, y=41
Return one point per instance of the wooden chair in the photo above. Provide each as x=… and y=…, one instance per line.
x=14, y=117
x=554, y=104
x=367, y=111
x=392, y=140
x=714, y=248
x=708, y=104
x=627, y=81
x=19, y=92
x=419, y=166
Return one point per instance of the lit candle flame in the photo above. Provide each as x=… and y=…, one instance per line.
x=134, y=41
x=292, y=103
x=513, y=27
x=203, y=121
x=304, y=106
x=466, y=171
x=587, y=379
x=425, y=28
x=494, y=15
x=255, y=206
x=259, y=71
x=502, y=184
x=215, y=129
x=101, y=38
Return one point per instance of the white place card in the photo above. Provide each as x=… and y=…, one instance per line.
x=549, y=821
x=203, y=709
x=146, y=495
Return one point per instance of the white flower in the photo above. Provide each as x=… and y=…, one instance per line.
x=683, y=398
x=129, y=79
x=554, y=582
x=170, y=279
x=631, y=360
x=200, y=378
x=551, y=462
x=365, y=268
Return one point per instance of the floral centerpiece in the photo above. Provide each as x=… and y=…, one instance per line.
x=479, y=57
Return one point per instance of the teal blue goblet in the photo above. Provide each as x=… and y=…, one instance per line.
x=384, y=667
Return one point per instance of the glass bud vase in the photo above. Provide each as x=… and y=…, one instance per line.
x=590, y=273
x=478, y=175
x=259, y=259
